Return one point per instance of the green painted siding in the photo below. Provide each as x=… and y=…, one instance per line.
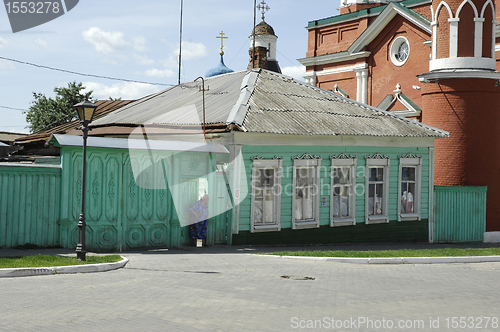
x=268, y=152
x=460, y=214
x=124, y=212
x=29, y=205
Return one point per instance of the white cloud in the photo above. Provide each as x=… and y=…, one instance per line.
x=125, y=91
x=139, y=44
x=3, y=42
x=143, y=60
x=4, y=65
x=159, y=73
x=105, y=42
x=191, y=51
x=297, y=72
x=42, y=43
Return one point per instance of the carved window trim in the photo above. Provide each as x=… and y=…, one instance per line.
x=260, y=164
x=344, y=161
x=410, y=160
x=377, y=161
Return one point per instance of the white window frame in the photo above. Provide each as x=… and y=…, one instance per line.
x=307, y=161
x=410, y=161
x=378, y=161
x=344, y=161
x=261, y=164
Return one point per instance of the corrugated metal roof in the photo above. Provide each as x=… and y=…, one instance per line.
x=266, y=102
x=284, y=106
x=182, y=104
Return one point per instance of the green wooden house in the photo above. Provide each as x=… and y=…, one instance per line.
x=282, y=161
x=304, y=165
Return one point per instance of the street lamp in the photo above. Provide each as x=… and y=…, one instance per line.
x=85, y=111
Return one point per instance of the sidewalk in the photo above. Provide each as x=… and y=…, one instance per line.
x=221, y=249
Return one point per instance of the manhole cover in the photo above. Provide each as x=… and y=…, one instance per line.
x=297, y=278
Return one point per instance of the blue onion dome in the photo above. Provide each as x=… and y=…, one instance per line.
x=219, y=70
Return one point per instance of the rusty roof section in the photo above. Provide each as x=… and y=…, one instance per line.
x=104, y=107
x=10, y=137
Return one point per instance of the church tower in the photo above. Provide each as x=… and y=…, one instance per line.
x=264, y=53
x=462, y=96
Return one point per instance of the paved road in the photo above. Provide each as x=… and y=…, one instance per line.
x=229, y=289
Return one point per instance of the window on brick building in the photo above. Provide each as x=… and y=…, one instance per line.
x=400, y=51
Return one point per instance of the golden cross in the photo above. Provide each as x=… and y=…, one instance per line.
x=264, y=8
x=222, y=42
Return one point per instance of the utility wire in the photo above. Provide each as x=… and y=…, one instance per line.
x=81, y=74
x=12, y=108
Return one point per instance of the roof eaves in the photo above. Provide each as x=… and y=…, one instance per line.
x=361, y=13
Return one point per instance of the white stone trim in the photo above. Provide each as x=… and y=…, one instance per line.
x=338, y=70
x=434, y=40
x=394, y=49
x=478, y=37
x=453, y=37
x=333, y=58
x=362, y=85
x=462, y=63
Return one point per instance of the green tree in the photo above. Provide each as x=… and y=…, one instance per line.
x=45, y=113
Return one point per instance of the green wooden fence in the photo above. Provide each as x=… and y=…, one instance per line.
x=30, y=200
x=459, y=214
x=40, y=204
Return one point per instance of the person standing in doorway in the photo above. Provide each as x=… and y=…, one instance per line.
x=199, y=215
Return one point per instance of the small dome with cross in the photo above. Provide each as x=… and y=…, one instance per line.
x=264, y=29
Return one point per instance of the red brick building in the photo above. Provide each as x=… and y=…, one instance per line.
x=431, y=61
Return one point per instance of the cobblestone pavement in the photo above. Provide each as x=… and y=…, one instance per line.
x=210, y=289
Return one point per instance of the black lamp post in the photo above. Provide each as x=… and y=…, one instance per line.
x=85, y=111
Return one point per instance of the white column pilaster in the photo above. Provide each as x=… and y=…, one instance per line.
x=453, y=37
x=478, y=37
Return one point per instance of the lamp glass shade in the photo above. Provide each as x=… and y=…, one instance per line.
x=85, y=111
x=89, y=113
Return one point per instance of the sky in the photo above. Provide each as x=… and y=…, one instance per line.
x=139, y=41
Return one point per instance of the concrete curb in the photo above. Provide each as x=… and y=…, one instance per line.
x=41, y=271
x=399, y=260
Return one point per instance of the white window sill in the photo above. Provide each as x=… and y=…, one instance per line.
x=305, y=224
x=342, y=222
x=409, y=216
x=377, y=219
x=266, y=228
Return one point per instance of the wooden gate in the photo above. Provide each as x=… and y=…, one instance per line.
x=126, y=212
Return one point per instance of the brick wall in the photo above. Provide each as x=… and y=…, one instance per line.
x=469, y=110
